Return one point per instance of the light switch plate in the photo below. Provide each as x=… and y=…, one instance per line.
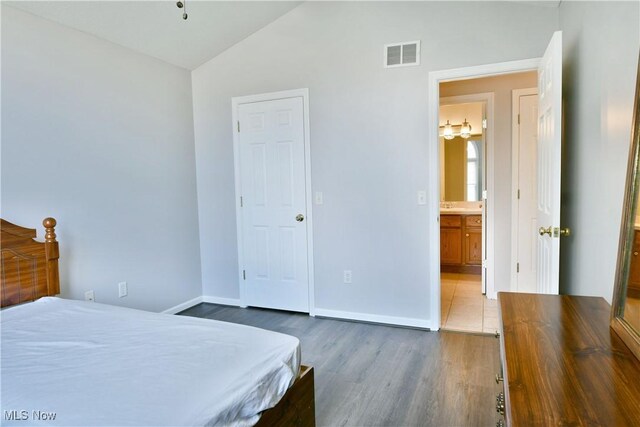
x=422, y=197
x=122, y=289
x=347, y=276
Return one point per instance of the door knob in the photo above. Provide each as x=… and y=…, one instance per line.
x=565, y=232
x=299, y=217
x=544, y=231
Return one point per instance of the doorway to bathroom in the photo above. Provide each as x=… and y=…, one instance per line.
x=464, y=135
x=475, y=145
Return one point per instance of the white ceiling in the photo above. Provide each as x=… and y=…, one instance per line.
x=156, y=28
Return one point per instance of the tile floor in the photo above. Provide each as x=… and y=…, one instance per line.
x=463, y=307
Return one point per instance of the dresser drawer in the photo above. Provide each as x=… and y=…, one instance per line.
x=473, y=221
x=450, y=221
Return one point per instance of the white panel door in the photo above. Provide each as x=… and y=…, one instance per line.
x=272, y=180
x=527, y=227
x=549, y=161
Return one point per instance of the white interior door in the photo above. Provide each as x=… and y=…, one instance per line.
x=549, y=161
x=273, y=204
x=485, y=224
x=526, y=217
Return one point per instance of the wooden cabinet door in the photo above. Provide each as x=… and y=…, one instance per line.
x=634, y=270
x=450, y=246
x=473, y=246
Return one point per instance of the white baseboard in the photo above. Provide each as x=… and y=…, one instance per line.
x=374, y=318
x=321, y=312
x=180, y=307
x=223, y=301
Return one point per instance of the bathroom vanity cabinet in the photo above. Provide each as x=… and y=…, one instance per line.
x=461, y=243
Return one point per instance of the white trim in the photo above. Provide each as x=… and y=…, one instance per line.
x=374, y=318
x=488, y=98
x=435, y=78
x=181, y=307
x=235, y=302
x=515, y=172
x=272, y=96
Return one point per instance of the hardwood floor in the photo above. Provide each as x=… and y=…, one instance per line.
x=373, y=375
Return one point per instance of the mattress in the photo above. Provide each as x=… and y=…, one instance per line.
x=83, y=363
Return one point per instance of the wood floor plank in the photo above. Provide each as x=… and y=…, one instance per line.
x=375, y=375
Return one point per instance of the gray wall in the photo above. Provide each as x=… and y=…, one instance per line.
x=601, y=43
x=368, y=135
x=101, y=138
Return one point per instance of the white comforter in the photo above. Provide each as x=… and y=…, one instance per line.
x=93, y=364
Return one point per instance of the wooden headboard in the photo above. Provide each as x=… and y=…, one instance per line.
x=29, y=268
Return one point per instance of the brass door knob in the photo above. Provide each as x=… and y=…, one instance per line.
x=565, y=232
x=544, y=231
x=299, y=217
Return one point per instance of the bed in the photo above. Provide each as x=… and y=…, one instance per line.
x=68, y=362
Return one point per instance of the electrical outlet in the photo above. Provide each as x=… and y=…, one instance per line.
x=347, y=277
x=122, y=289
x=319, y=200
x=89, y=296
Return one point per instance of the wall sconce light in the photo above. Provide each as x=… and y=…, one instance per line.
x=465, y=129
x=450, y=131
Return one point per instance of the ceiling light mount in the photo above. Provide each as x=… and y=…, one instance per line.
x=183, y=5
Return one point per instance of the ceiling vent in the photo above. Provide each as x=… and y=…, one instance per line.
x=402, y=54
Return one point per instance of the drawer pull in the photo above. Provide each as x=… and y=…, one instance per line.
x=635, y=254
x=467, y=234
x=478, y=221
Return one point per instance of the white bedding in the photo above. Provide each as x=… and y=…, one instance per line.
x=94, y=364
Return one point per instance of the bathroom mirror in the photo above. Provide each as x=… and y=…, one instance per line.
x=462, y=156
x=625, y=313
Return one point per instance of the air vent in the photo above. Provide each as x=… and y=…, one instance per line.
x=402, y=54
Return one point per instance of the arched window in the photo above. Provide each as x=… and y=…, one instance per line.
x=473, y=171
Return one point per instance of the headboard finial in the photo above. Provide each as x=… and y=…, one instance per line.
x=49, y=224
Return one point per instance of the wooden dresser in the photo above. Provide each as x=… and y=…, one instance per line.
x=563, y=365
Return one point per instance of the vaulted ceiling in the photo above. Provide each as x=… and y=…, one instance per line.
x=156, y=28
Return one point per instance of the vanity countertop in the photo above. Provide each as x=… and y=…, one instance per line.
x=461, y=211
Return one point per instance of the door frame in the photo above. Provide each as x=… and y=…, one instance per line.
x=515, y=172
x=274, y=96
x=433, y=166
x=488, y=98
